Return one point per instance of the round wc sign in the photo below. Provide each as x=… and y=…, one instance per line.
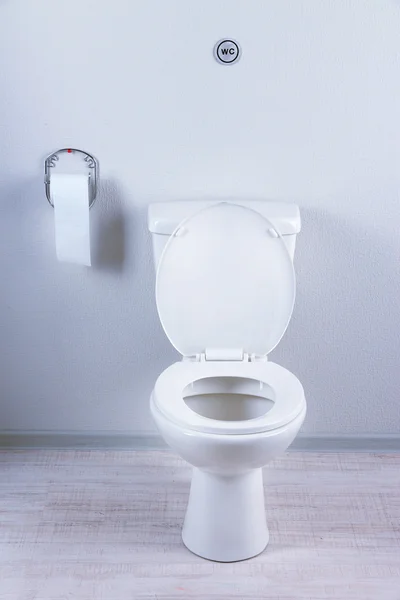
x=227, y=51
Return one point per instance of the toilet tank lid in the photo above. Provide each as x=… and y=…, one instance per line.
x=164, y=217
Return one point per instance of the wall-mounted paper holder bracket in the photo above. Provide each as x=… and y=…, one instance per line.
x=71, y=160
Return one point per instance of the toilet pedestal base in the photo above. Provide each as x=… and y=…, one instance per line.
x=225, y=519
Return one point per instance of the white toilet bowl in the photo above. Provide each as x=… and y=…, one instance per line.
x=225, y=303
x=254, y=412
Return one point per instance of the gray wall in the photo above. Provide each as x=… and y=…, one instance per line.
x=310, y=115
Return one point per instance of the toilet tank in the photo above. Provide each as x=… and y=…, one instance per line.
x=164, y=218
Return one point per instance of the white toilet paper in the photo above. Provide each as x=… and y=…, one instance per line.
x=70, y=196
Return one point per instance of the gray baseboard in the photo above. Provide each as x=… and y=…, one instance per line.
x=347, y=443
x=152, y=441
x=81, y=440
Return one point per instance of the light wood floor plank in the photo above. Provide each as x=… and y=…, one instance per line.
x=106, y=525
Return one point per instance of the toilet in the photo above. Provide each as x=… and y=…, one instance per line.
x=225, y=291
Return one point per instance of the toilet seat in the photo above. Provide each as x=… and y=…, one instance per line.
x=289, y=398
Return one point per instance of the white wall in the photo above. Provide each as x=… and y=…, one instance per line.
x=311, y=114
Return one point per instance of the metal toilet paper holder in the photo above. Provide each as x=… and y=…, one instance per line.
x=89, y=164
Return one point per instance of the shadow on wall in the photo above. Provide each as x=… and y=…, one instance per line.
x=108, y=234
x=345, y=331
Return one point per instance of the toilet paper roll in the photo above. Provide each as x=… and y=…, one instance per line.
x=70, y=196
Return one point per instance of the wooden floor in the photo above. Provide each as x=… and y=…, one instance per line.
x=106, y=525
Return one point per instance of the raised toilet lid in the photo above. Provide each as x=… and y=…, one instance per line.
x=225, y=281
